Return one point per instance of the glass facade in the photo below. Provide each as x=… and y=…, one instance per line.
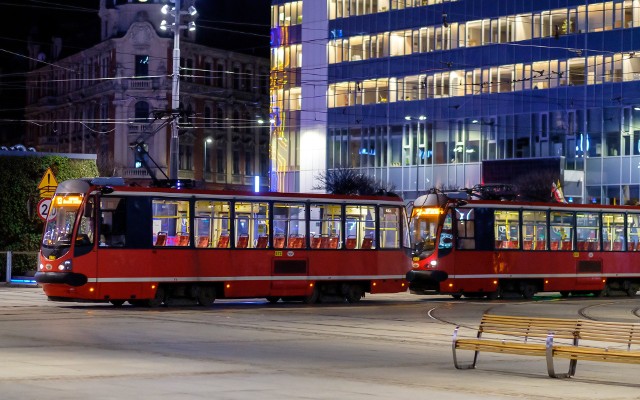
x=420, y=93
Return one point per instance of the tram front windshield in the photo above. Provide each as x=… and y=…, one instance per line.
x=424, y=228
x=58, y=231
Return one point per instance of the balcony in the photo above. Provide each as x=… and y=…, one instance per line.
x=137, y=173
x=141, y=84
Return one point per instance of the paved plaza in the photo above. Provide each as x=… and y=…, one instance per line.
x=386, y=347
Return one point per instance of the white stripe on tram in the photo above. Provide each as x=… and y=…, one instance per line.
x=243, y=278
x=573, y=275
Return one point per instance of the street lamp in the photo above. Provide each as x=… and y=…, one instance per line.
x=174, y=145
x=204, y=165
x=419, y=147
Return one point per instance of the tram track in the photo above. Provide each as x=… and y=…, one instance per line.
x=466, y=314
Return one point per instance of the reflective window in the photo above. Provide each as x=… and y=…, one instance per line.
x=211, y=224
x=588, y=231
x=613, y=233
x=251, y=223
x=561, y=230
x=506, y=229
x=325, y=225
x=170, y=222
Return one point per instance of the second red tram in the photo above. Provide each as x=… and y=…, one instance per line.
x=105, y=241
x=477, y=248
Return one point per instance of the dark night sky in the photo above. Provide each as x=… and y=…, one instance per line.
x=237, y=25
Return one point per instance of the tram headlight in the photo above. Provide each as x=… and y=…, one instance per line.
x=40, y=267
x=65, y=266
x=433, y=263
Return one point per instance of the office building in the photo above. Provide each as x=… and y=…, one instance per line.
x=419, y=93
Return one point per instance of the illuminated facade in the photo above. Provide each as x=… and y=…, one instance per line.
x=418, y=93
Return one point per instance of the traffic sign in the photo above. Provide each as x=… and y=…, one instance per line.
x=44, y=207
x=48, y=184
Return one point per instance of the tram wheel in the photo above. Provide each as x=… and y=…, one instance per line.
x=632, y=290
x=496, y=294
x=605, y=292
x=565, y=293
x=528, y=291
x=457, y=296
x=313, y=297
x=273, y=299
x=206, y=296
x=354, y=293
x=159, y=298
x=117, y=303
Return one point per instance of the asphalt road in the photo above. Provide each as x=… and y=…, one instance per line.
x=386, y=347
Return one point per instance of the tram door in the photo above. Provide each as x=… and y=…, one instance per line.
x=84, y=249
x=289, y=262
x=118, y=236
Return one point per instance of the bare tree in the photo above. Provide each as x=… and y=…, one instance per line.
x=350, y=181
x=106, y=165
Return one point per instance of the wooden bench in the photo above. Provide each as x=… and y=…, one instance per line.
x=572, y=339
x=596, y=341
x=511, y=335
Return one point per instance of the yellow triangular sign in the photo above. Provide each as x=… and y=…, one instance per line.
x=48, y=184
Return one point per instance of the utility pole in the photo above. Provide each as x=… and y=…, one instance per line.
x=174, y=145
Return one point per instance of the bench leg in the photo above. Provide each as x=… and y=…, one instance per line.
x=455, y=357
x=550, y=366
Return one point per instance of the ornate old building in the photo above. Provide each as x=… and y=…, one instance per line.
x=116, y=93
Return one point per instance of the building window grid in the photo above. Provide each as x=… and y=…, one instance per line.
x=505, y=29
x=350, y=8
x=620, y=67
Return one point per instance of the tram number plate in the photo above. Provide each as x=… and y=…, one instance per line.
x=277, y=253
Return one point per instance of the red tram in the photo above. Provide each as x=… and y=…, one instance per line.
x=477, y=248
x=105, y=241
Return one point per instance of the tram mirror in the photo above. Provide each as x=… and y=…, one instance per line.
x=88, y=210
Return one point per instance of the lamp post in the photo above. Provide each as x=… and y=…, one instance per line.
x=174, y=144
x=204, y=165
x=421, y=119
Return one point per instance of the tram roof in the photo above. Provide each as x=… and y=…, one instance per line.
x=116, y=186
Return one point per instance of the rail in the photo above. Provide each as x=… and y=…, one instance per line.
x=10, y=278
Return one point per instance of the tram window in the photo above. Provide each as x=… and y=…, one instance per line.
x=613, y=234
x=172, y=217
x=588, y=231
x=251, y=222
x=360, y=224
x=507, y=229
x=561, y=230
x=289, y=225
x=390, y=227
x=633, y=222
x=211, y=222
x=325, y=223
x=465, y=223
x=85, y=235
x=113, y=222
x=534, y=230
